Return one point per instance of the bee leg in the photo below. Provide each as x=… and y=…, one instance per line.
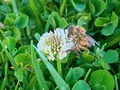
x=76, y=50
x=79, y=51
x=89, y=45
x=68, y=50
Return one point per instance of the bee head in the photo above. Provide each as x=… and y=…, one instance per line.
x=80, y=29
x=70, y=30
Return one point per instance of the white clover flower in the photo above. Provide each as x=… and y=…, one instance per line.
x=54, y=44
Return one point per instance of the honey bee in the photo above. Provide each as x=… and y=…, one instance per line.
x=81, y=38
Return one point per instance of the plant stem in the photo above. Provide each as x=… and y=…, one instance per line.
x=16, y=87
x=14, y=7
x=59, y=68
x=86, y=76
x=62, y=7
x=116, y=83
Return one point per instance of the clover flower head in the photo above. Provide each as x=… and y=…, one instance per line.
x=54, y=44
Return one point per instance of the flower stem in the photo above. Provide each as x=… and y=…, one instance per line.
x=86, y=76
x=59, y=68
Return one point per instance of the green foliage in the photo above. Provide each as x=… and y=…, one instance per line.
x=81, y=84
x=40, y=78
x=20, y=20
x=109, y=28
x=110, y=56
x=23, y=58
x=74, y=74
x=101, y=21
x=101, y=79
x=23, y=68
x=10, y=42
x=87, y=56
x=19, y=74
x=59, y=81
x=78, y=5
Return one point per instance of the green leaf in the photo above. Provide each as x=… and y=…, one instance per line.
x=10, y=19
x=16, y=33
x=37, y=36
x=63, y=23
x=21, y=20
x=100, y=6
x=19, y=74
x=23, y=58
x=5, y=8
x=58, y=80
x=102, y=80
x=56, y=17
x=53, y=19
x=9, y=56
x=114, y=20
x=57, y=1
x=22, y=49
x=108, y=30
x=10, y=42
x=78, y=5
x=52, y=22
x=91, y=7
x=81, y=85
x=81, y=22
x=87, y=56
x=110, y=56
x=101, y=21
x=8, y=33
x=74, y=74
x=86, y=17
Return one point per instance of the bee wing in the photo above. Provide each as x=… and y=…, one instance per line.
x=91, y=40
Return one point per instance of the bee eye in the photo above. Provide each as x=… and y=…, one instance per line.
x=77, y=29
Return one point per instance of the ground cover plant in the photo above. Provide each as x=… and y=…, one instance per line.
x=31, y=56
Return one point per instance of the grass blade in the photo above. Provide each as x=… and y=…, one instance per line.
x=38, y=71
x=62, y=7
x=112, y=40
x=116, y=83
x=31, y=83
x=5, y=78
x=58, y=80
x=9, y=56
x=36, y=14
